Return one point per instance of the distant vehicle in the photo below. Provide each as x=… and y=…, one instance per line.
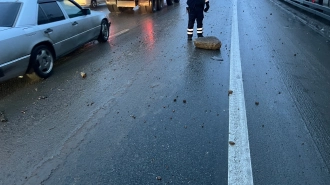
x=145, y=5
x=34, y=33
x=91, y=3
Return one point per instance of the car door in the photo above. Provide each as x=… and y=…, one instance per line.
x=83, y=26
x=53, y=24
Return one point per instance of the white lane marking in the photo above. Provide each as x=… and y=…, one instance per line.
x=119, y=33
x=239, y=160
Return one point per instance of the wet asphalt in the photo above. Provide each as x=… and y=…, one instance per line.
x=153, y=109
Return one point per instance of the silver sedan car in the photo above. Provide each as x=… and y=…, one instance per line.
x=34, y=33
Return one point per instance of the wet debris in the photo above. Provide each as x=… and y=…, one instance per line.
x=174, y=100
x=230, y=92
x=3, y=117
x=134, y=117
x=83, y=74
x=184, y=101
x=217, y=58
x=232, y=143
x=257, y=103
x=295, y=54
x=159, y=178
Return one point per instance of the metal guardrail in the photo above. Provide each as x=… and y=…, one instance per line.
x=317, y=9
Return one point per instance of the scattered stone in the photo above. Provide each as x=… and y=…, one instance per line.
x=159, y=178
x=217, y=58
x=230, y=92
x=174, y=100
x=257, y=103
x=231, y=143
x=2, y=117
x=42, y=97
x=208, y=42
x=184, y=101
x=83, y=75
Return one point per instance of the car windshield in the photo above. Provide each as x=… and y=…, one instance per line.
x=8, y=13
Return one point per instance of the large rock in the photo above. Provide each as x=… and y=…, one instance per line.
x=209, y=42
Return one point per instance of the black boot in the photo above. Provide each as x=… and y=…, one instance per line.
x=200, y=34
x=190, y=36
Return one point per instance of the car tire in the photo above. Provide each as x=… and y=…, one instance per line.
x=42, y=61
x=93, y=4
x=104, y=32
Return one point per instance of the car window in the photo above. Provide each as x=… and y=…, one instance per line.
x=8, y=13
x=49, y=12
x=71, y=9
x=42, y=18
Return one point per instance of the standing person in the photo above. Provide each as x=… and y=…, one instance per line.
x=195, y=10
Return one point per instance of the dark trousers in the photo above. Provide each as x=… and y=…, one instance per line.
x=198, y=15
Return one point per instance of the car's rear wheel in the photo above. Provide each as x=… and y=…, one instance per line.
x=104, y=32
x=42, y=61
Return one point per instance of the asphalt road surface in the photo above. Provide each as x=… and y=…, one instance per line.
x=153, y=109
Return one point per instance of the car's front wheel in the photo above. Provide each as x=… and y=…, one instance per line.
x=42, y=61
x=104, y=33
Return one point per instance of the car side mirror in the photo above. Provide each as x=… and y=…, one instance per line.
x=86, y=11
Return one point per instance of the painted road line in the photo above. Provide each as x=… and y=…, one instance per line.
x=239, y=160
x=119, y=33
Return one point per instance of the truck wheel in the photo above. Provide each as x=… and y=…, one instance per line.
x=160, y=4
x=113, y=8
x=169, y=2
x=93, y=4
x=176, y=1
x=42, y=61
x=104, y=32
